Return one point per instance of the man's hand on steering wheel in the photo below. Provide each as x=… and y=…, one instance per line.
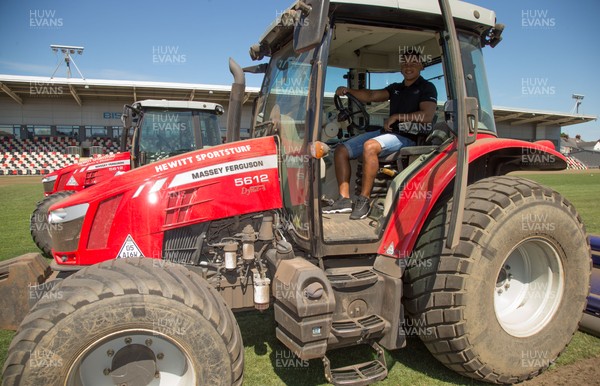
x=344, y=112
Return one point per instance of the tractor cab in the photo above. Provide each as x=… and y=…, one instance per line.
x=161, y=129
x=297, y=103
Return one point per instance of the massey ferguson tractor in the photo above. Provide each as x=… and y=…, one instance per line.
x=493, y=268
x=161, y=129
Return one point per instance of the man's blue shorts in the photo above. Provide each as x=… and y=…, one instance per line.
x=390, y=142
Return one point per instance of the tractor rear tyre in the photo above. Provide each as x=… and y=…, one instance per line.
x=503, y=304
x=39, y=227
x=130, y=322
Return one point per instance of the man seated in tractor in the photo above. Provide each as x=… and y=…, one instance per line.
x=414, y=100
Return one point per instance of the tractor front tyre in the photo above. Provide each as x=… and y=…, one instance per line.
x=503, y=304
x=132, y=322
x=39, y=226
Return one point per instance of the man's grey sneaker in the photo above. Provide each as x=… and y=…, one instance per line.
x=362, y=208
x=341, y=205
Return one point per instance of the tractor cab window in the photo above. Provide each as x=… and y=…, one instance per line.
x=281, y=110
x=165, y=133
x=476, y=80
x=210, y=130
x=370, y=57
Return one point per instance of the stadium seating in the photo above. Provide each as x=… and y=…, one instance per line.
x=42, y=155
x=37, y=156
x=574, y=163
x=108, y=145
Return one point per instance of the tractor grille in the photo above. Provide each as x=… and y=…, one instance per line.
x=184, y=245
x=178, y=206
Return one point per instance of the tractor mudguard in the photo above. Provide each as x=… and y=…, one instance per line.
x=423, y=190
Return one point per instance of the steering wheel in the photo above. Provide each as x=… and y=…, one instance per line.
x=345, y=114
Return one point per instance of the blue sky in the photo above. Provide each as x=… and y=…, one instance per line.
x=548, y=53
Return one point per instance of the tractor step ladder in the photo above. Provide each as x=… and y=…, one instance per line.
x=354, y=279
x=358, y=374
x=364, y=327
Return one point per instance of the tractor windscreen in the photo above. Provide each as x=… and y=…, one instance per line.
x=165, y=133
x=476, y=80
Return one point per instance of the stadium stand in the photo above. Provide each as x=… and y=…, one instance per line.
x=589, y=158
x=43, y=155
x=108, y=145
x=574, y=163
x=37, y=156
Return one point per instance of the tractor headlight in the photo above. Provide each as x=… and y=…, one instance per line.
x=65, y=227
x=49, y=179
x=67, y=214
x=48, y=183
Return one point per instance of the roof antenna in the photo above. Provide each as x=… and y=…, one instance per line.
x=67, y=51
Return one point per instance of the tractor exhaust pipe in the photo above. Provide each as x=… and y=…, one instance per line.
x=236, y=100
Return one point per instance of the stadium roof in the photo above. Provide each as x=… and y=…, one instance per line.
x=20, y=88
x=515, y=117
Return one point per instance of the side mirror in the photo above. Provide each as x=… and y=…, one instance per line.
x=310, y=26
x=493, y=36
x=129, y=113
x=126, y=117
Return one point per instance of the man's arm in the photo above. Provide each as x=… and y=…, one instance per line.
x=364, y=95
x=424, y=115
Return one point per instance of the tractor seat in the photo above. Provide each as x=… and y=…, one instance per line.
x=439, y=134
x=403, y=157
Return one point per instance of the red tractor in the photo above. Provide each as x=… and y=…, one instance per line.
x=161, y=129
x=492, y=268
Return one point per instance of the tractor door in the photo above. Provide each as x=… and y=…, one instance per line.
x=281, y=110
x=369, y=57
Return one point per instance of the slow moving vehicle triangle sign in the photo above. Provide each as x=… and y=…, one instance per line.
x=72, y=182
x=129, y=249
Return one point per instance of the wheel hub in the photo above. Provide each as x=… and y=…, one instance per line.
x=134, y=365
x=529, y=287
x=502, y=278
x=133, y=358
